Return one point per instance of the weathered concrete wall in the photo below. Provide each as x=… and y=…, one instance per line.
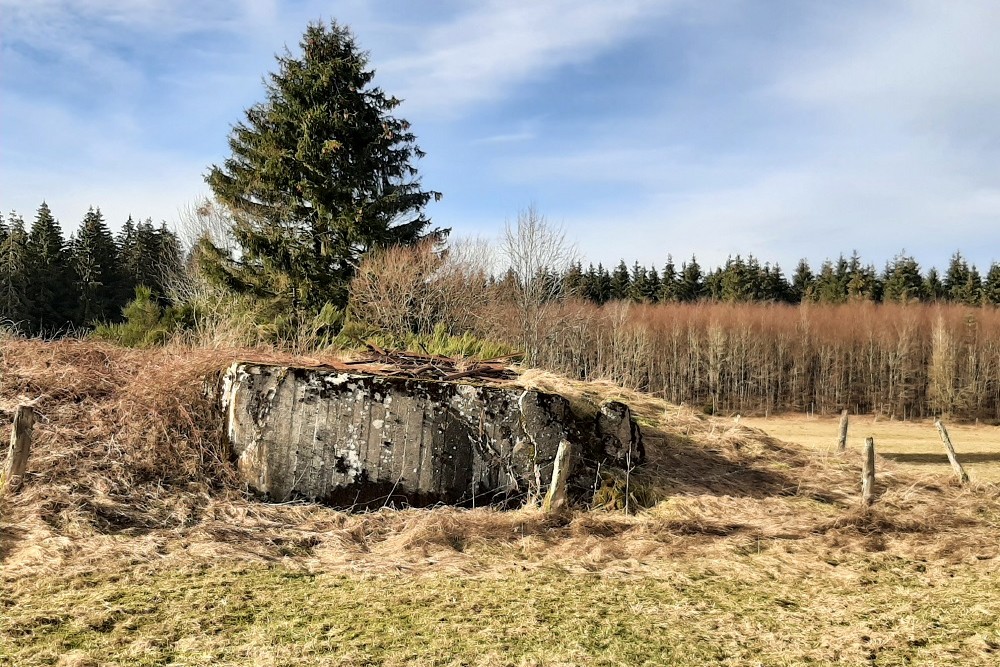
x=365, y=440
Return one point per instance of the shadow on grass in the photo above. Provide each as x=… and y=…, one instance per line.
x=974, y=457
x=678, y=464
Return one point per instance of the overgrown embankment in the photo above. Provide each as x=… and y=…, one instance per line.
x=131, y=542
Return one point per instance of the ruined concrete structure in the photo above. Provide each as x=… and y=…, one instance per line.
x=362, y=440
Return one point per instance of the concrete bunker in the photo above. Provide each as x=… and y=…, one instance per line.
x=362, y=440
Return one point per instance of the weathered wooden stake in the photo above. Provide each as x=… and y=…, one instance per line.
x=963, y=477
x=868, y=473
x=20, y=448
x=842, y=442
x=555, y=498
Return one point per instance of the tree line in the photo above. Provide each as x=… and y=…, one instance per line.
x=50, y=284
x=747, y=280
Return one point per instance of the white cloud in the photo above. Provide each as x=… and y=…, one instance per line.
x=479, y=55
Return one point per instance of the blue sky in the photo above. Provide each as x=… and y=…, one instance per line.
x=643, y=127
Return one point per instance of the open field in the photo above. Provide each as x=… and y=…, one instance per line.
x=913, y=444
x=131, y=543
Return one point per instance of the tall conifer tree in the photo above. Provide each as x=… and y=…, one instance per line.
x=50, y=287
x=320, y=173
x=15, y=309
x=98, y=271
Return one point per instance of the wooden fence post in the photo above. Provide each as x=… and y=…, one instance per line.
x=20, y=448
x=842, y=442
x=555, y=498
x=868, y=473
x=963, y=477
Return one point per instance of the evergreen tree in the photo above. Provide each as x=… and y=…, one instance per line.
x=50, y=288
x=775, y=287
x=652, y=291
x=15, y=309
x=956, y=277
x=620, y=282
x=98, y=271
x=690, y=286
x=574, y=281
x=150, y=257
x=638, y=288
x=604, y=287
x=831, y=283
x=902, y=280
x=802, y=282
x=320, y=173
x=933, y=287
x=991, y=286
x=668, y=282
x=971, y=292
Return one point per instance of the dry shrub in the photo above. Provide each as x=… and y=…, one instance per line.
x=413, y=289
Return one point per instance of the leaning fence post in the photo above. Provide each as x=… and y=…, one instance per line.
x=555, y=498
x=842, y=442
x=963, y=476
x=868, y=473
x=20, y=448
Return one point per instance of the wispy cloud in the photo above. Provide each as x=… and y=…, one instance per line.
x=481, y=53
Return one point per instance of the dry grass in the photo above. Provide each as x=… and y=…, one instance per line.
x=913, y=444
x=132, y=543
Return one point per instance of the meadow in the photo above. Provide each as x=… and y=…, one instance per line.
x=915, y=445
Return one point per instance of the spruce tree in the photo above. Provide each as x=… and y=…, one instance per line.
x=956, y=277
x=933, y=287
x=652, y=293
x=668, y=282
x=638, y=286
x=991, y=286
x=50, y=288
x=98, y=271
x=574, y=281
x=320, y=173
x=802, y=288
x=902, y=280
x=15, y=309
x=620, y=282
x=691, y=284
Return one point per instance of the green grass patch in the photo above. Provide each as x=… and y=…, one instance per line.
x=877, y=609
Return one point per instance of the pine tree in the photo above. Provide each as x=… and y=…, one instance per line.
x=638, y=284
x=956, y=277
x=933, y=287
x=573, y=281
x=150, y=257
x=98, y=271
x=991, y=286
x=320, y=173
x=668, y=282
x=902, y=280
x=620, y=282
x=603, y=284
x=50, y=286
x=15, y=309
x=691, y=285
x=802, y=282
x=652, y=292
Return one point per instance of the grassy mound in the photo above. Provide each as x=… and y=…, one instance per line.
x=132, y=532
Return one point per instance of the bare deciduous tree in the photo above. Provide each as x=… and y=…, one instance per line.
x=534, y=254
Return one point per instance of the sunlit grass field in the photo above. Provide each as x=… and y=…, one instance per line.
x=914, y=444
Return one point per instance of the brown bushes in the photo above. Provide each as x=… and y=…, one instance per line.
x=900, y=361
